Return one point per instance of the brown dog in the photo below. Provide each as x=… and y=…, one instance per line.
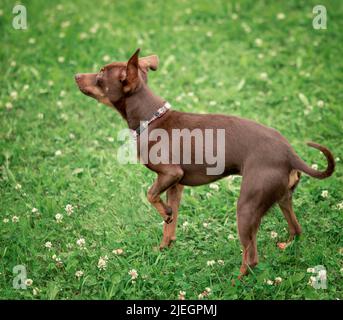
x=267, y=162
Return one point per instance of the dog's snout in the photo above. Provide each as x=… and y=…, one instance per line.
x=77, y=76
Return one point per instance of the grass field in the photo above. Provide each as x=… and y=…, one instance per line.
x=256, y=59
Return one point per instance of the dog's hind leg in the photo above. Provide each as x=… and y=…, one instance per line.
x=248, y=221
x=287, y=209
x=285, y=204
x=174, y=195
x=259, y=191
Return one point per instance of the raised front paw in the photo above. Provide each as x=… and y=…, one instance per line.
x=169, y=215
x=168, y=220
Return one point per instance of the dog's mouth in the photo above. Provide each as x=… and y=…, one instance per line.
x=84, y=85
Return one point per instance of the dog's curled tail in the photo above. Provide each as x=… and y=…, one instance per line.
x=299, y=164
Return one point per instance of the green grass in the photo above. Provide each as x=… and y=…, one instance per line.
x=203, y=49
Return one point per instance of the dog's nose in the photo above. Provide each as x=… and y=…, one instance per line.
x=77, y=76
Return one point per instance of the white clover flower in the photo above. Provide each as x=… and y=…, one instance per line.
x=59, y=104
x=28, y=282
x=48, y=245
x=50, y=83
x=35, y=291
x=273, y=53
x=234, y=16
x=83, y=35
x=185, y=224
x=58, y=153
x=40, y=116
x=273, y=235
x=118, y=251
x=210, y=263
x=231, y=237
x=278, y=280
x=314, y=166
x=110, y=139
x=34, y=210
x=65, y=24
x=14, y=95
x=9, y=105
x=102, y=263
x=182, y=295
x=58, y=217
x=95, y=28
x=62, y=93
x=320, y=103
x=259, y=42
x=79, y=274
x=32, y=41
x=264, y=76
x=17, y=186
x=61, y=59
x=205, y=293
x=71, y=136
x=325, y=193
x=269, y=282
x=64, y=117
x=260, y=56
x=188, y=11
x=214, y=186
x=15, y=219
x=209, y=34
x=133, y=273
x=6, y=220
x=54, y=257
x=340, y=206
x=190, y=94
x=205, y=225
x=310, y=270
x=280, y=16
x=13, y=63
x=26, y=87
x=220, y=262
x=246, y=27
x=81, y=242
x=106, y=58
x=69, y=209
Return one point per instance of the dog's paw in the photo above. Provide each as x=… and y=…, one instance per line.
x=166, y=243
x=168, y=220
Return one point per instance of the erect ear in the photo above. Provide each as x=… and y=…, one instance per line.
x=132, y=77
x=150, y=62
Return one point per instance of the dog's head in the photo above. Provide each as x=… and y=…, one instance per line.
x=117, y=80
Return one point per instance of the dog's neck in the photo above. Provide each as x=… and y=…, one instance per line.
x=141, y=105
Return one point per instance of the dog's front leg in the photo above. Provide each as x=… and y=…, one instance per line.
x=173, y=200
x=170, y=176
